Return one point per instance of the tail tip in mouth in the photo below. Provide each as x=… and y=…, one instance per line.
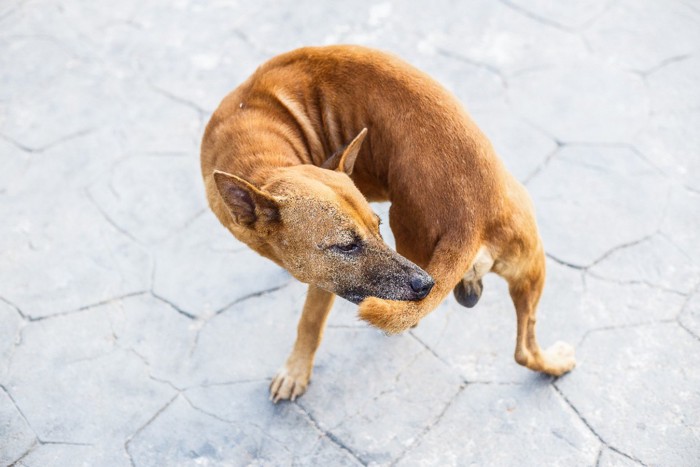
x=390, y=316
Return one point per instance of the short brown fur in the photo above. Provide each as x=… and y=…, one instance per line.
x=456, y=212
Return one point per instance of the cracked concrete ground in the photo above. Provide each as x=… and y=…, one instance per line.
x=135, y=331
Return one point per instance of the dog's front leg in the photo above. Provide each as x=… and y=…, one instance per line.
x=292, y=379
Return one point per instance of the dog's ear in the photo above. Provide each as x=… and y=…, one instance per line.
x=247, y=203
x=344, y=161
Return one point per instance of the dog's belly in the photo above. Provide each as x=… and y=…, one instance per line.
x=483, y=262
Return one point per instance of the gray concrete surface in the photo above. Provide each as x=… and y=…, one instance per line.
x=135, y=331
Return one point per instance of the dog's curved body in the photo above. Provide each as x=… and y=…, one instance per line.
x=283, y=158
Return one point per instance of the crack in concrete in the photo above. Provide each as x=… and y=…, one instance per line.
x=623, y=326
x=19, y=334
x=50, y=145
x=678, y=319
x=12, y=10
x=508, y=383
x=38, y=441
x=576, y=32
x=154, y=265
x=590, y=427
x=628, y=146
x=621, y=246
x=599, y=456
x=332, y=437
x=66, y=443
x=51, y=40
x=429, y=349
x=144, y=426
x=16, y=463
x=636, y=282
x=184, y=225
x=535, y=17
x=33, y=319
x=662, y=64
x=397, y=377
x=693, y=190
x=678, y=248
x=118, y=228
x=694, y=8
x=16, y=308
x=100, y=303
x=542, y=165
x=229, y=383
x=201, y=112
x=21, y=413
x=643, y=157
x=219, y=311
x=195, y=341
x=596, y=17
x=605, y=255
x=149, y=369
x=253, y=295
x=560, y=436
x=257, y=47
x=19, y=339
x=184, y=313
x=646, y=159
x=92, y=358
x=111, y=221
x=419, y=438
x=236, y=423
x=205, y=412
x=475, y=63
x=168, y=153
x=535, y=125
x=685, y=328
x=203, y=321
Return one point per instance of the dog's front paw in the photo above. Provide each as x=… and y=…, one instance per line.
x=388, y=315
x=560, y=358
x=289, y=383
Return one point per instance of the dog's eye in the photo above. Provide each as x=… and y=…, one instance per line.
x=348, y=248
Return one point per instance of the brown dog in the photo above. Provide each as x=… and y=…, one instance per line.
x=286, y=169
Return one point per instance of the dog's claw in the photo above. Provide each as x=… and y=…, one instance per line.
x=288, y=385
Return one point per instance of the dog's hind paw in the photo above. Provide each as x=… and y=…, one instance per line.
x=559, y=358
x=288, y=384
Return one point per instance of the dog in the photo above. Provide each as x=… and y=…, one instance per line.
x=292, y=158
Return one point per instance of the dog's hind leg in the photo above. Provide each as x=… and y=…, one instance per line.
x=525, y=282
x=291, y=381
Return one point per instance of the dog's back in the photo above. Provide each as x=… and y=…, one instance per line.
x=420, y=139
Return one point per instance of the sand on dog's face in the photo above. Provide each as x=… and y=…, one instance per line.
x=329, y=236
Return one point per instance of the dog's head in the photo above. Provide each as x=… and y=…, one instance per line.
x=320, y=227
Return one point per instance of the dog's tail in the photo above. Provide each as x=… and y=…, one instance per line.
x=447, y=267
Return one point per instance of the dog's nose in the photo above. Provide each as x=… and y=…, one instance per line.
x=422, y=285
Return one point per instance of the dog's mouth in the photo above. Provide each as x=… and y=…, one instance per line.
x=355, y=298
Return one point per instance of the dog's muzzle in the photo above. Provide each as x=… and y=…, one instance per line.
x=415, y=287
